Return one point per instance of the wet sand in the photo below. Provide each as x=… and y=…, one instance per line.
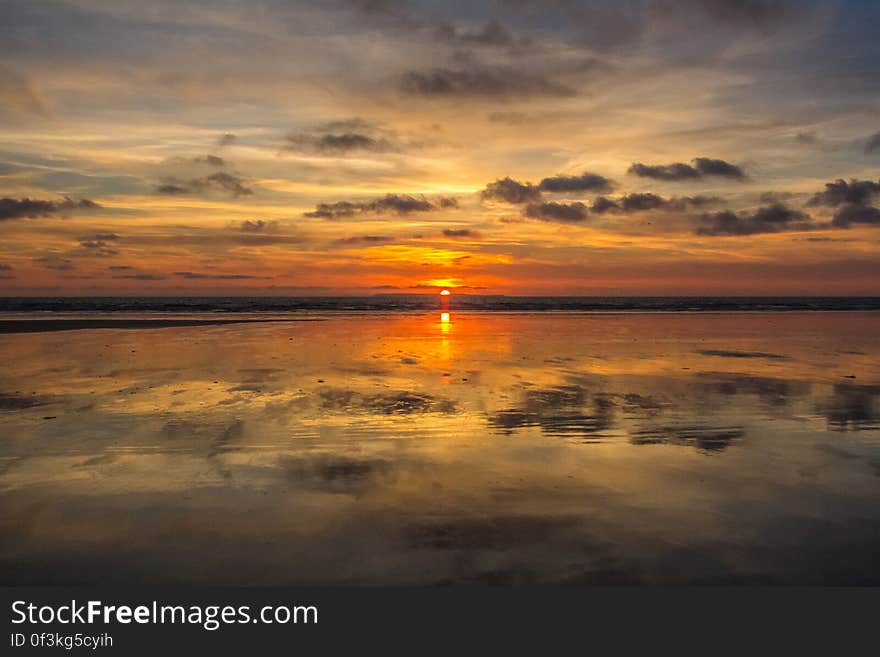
x=493, y=449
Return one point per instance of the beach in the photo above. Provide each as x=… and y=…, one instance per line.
x=397, y=449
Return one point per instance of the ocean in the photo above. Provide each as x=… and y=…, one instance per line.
x=426, y=302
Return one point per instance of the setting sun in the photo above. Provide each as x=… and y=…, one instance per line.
x=445, y=293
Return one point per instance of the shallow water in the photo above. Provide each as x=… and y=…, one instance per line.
x=396, y=449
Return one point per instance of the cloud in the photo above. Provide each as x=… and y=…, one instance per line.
x=461, y=232
x=677, y=171
x=852, y=213
x=603, y=204
x=220, y=277
x=807, y=137
x=211, y=160
x=775, y=197
x=354, y=135
x=873, y=143
x=18, y=96
x=4, y=271
x=258, y=226
x=647, y=201
x=586, y=182
x=141, y=277
x=97, y=245
x=768, y=219
x=390, y=203
x=838, y=192
x=570, y=213
x=639, y=202
x=226, y=139
x=491, y=34
x=366, y=239
x=710, y=167
x=11, y=208
x=222, y=181
x=55, y=262
x=339, y=144
x=478, y=81
x=511, y=191
x=745, y=13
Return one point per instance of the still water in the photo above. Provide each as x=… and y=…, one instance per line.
x=400, y=449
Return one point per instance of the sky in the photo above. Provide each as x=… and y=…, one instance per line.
x=357, y=147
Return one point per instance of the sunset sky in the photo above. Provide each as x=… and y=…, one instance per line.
x=373, y=146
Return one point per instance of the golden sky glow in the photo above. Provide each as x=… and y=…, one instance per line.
x=699, y=147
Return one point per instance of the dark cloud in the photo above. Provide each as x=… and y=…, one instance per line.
x=647, y=201
x=745, y=13
x=511, y=191
x=29, y=208
x=677, y=171
x=171, y=188
x=838, y=192
x=639, y=202
x=220, y=277
x=726, y=353
x=852, y=213
x=226, y=139
x=807, y=137
x=390, y=203
x=461, y=232
x=99, y=237
x=55, y=262
x=366, y=239
x=476, y=81
x=339, y=144
x=401, y=204
x=586, y=182
x=345, y=136
x=355, y=124
x=604, y=204
x=492, y=34
x=97, y=245
x=873, y=143
x=709, y=167
x=768, y=219
x=120, y=267
x=336, y=210
x=569, y=213
x=212, y=160
x=4, y=271
x=775, y=197
x=141, y=277
x=258, y=226
x=221, y=181
x=228, y=182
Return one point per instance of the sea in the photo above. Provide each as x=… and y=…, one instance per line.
x=429, y=302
